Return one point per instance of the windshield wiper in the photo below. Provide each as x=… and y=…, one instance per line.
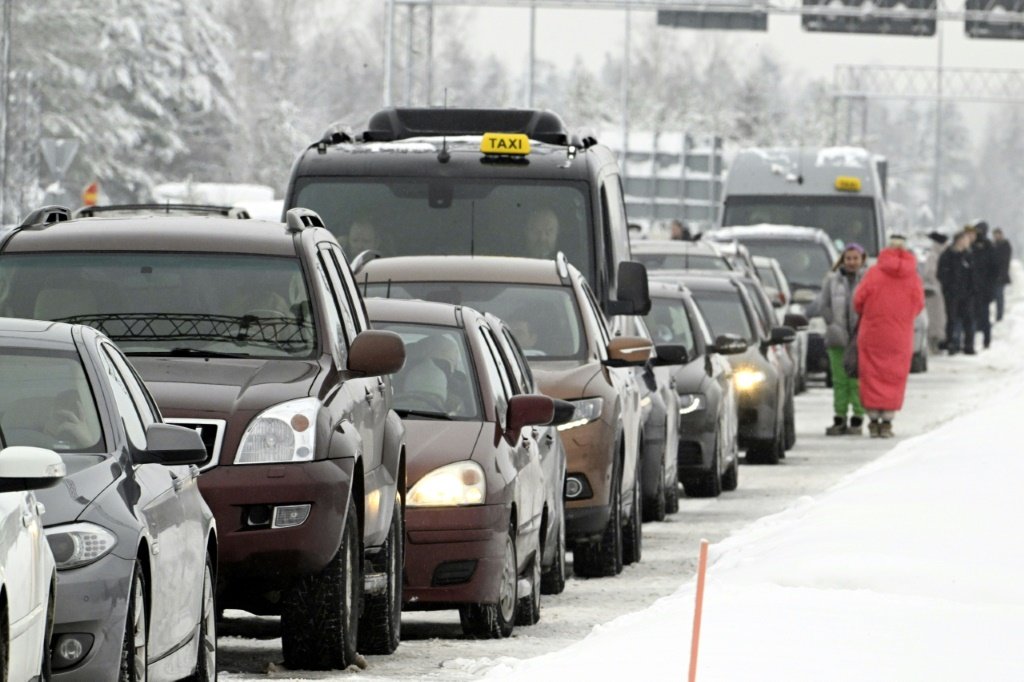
x=188, y=352
x=426, y=414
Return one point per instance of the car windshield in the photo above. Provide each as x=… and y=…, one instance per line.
x=458, y=216
x=805, y=263
x=46, y=402
x=168, y=303
x=682, y=261
x=544, y=319
x=725, y=313
x=437, y=379
x=669, y=324
x=847, y=219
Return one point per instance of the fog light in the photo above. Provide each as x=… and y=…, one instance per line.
x=290, y=516
x=70, y=649
x=573, y=487
x=258, y=516
x=576, y=487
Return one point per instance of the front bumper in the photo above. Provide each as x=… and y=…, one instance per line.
x=697, y=434
x=757, y=417
x=590, y=451
x=454, y=555
x=255, y=560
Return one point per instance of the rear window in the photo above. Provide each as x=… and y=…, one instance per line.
x=805, y=263
x=725, y=313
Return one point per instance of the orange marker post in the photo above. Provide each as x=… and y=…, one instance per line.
x=702, y=568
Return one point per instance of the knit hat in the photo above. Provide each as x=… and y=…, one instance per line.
x=854, y=246
x=938, y=237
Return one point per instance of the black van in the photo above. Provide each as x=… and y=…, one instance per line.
x=494, y=182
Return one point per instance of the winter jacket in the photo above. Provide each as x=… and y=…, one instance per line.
x=983, y=269
x=933, y=299
x=888, y=299
x=835, y=304
x=955, y=274
x=1003, y=254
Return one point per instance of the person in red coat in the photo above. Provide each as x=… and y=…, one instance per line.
x=888, y=299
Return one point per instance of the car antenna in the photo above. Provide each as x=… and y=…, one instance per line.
x=443, y=156
x=366, y=283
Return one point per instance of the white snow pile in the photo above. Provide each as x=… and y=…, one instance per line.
x=910, y=569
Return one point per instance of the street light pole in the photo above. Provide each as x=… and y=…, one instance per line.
x=625, y=95
x=5, y=109
x=937, y=177
x=389, y=49
x=531, y=73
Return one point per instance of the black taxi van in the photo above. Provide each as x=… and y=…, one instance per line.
x=486, y=182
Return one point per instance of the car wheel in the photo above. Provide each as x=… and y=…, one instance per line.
x=134, y=647
x=603, y=558
x=654, y=506
x=672, y=498
x=633, y=536
x=731, y=477
x=708, y=484
x=528, y=610
x=380, y=628
x=769, y=451
x=790, y=419
x=552, y=581
x=320, y=616
x=206, y=661
x=495, y=621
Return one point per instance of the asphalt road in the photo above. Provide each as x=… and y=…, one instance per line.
x=433, y=648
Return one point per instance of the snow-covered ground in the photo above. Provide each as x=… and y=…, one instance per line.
x=894, y=560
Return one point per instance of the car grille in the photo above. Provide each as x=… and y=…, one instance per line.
x=212, y=433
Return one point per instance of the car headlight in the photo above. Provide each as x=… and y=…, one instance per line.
x=78, y=544
x=587, y=410
x=748, y=379
x=453, y=485
x=691, y=402
x=284, y=433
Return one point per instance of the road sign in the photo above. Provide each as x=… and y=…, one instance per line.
x=735, y=15
x=59, y=152
x=875, y=16
x=91, y=194
x=1007, y=19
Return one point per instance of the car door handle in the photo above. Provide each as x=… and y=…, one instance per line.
x=177, y=482
x=40, y=508
x=369, y=395
x=26, y=519
x=381, y=386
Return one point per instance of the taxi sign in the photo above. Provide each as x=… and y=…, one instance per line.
x=845, y=183
x=515, y=144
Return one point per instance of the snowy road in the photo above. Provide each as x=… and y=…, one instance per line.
x=432, y=647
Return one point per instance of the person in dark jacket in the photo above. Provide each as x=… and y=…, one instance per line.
x=1003, y=254
x=983, y=272
x=957, y=291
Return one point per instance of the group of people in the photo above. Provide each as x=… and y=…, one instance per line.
x=869, y=314
x=972, y=273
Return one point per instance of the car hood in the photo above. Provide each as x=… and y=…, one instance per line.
x=565, y=380
x=87, y=476
x=431, y=443
x=221, y=387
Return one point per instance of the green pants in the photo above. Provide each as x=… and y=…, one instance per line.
x=845, y=391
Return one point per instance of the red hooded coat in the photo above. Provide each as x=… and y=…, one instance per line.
x=888, y=299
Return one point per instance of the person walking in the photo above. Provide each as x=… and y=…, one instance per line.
x=835, y=304
x=888, y=299
x=933, y=296
x=1003, y=253
x=983, y=271
x=955, y=276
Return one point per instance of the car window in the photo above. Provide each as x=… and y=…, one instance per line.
x=46, y=401
x=522, y=372
x=669, y=323
x=333, y=324
x=340, y=296
x=697, y=320
x=500, y=386
x=139, y=395
x=599, y=319
x=682, y=261
x=358, y=306
x=761, y=305
x=126, y=408
x=805, y=263
x=725, y=313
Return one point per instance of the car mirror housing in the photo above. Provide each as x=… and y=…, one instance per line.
x=564, y=411
x=27, y=468
x=376, y=353
x=171, y=445
x=729, y=344
x=671, y=354
x=796, y=321
x=632, y=292
x=781, y=335
x=527, y=410
x=628, y=351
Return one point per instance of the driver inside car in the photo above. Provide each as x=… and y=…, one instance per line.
x=67, y=425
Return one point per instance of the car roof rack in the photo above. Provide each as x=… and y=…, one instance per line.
x=203, y=209
x=47, y=215
x=299, y=219
x=541, y=125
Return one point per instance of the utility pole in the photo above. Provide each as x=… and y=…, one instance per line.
x=389, y=49
x=625, y=95
x=5, y=92
x=531, y=70
x=937, y=177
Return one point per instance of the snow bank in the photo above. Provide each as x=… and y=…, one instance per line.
x=910, y=569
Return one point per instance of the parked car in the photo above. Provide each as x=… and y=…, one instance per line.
x=776, y=285
x=254, y=334
x=476, y=498
x=134, y=543
x=758, y=374
x=737, y=254
x=565, y=338
x=708, y=449
x=675, y=254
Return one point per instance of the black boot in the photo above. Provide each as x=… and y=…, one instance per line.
x=838, y=427
x=855, y=427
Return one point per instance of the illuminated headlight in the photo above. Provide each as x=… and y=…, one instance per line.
x=453, y=485
x=691, y=402
x=645, y=401
x=748, y=379
x=284, y=433
x=78, y=544
x=587, y=410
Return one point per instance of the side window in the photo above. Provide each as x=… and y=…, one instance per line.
x=140, y=396
x=501, y=388
x=352, y=287
x=595, y=310
x=341, y=297
x=332, y=322
x=694, y=314
x=125, y=405
x=521, y=370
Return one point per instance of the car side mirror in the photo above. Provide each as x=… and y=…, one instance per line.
x=804, y=296
x=632, y=292
x=564, y=412
x=376, y=353
x=796, y=321
x=781, y=335
x=171, y=445
x=729, y=344
x=527, y=410
x=671, y=354
x=628, y=351
x=26, y=468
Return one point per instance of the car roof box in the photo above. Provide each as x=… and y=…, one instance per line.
x=540, y=125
